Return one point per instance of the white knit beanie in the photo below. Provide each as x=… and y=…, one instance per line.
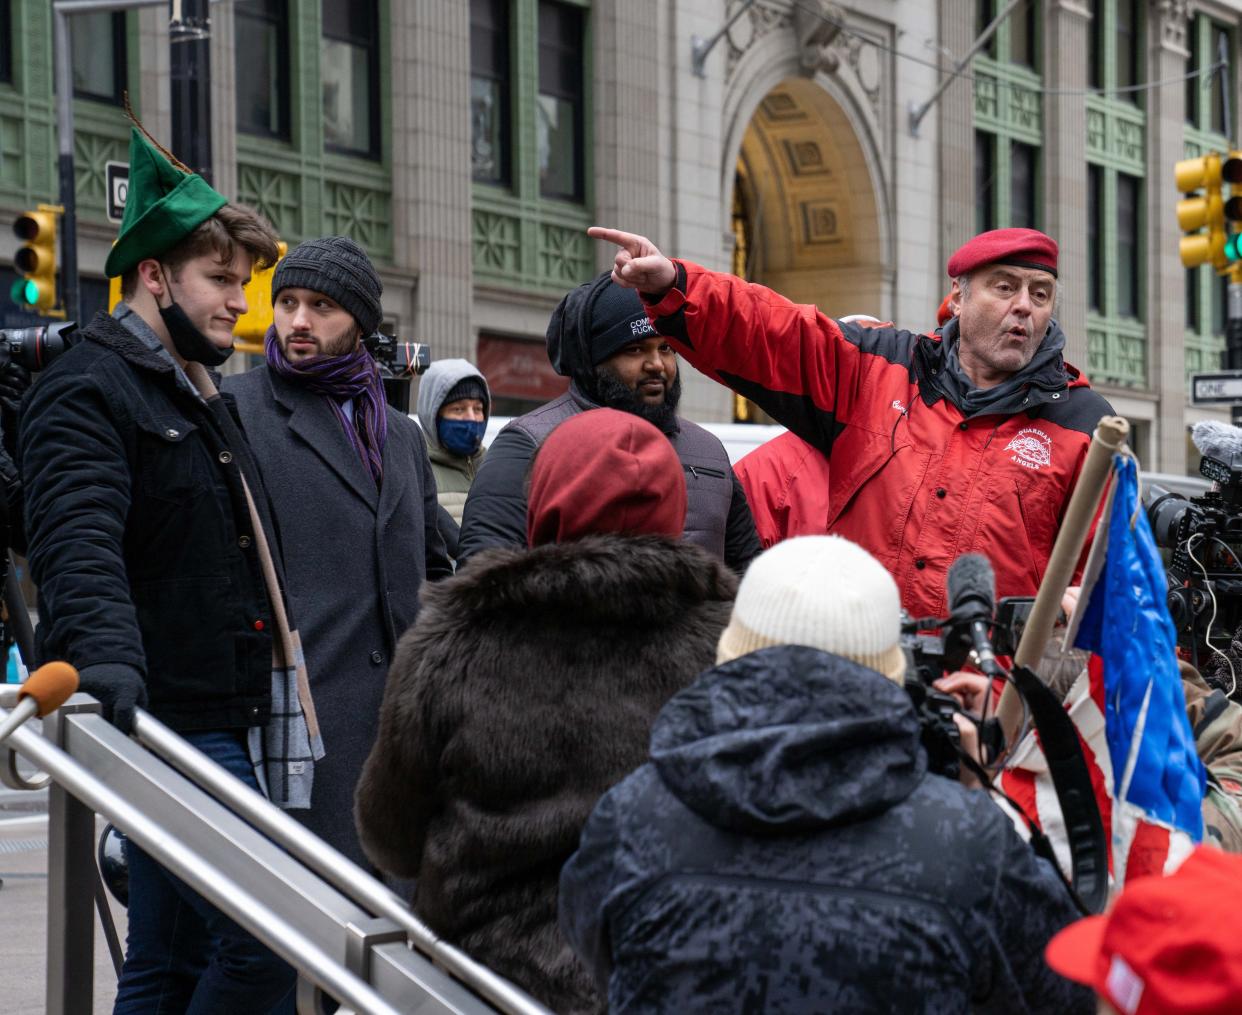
x=823, y=592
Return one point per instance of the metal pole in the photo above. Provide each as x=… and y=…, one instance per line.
x=68, y=185
x=19, y=616
x=700, y=47
x=70, y=891
x=918, y=112
x=189, y=32
x=1232, y=355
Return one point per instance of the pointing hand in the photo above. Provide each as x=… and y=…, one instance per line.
x=639, y=263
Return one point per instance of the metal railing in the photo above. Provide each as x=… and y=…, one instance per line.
x=347, y=934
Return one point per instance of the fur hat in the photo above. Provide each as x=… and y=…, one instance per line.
x=823, y=592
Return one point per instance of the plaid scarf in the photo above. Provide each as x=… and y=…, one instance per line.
x=354, y=376
x=283, y=753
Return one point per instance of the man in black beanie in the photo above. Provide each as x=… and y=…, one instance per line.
x=599, y=337
x=354, y=498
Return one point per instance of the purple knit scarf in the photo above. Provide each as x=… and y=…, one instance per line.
x=340, y=378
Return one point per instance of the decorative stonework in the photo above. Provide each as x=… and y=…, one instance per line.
x=564, y=254
x=363, y=214
x=90, y=154
x=496, y=242
x=1171, y=19
x=278, y=195
x=12, y=153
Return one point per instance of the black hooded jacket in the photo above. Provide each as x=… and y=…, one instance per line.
x=718, y=516
x=786, y=851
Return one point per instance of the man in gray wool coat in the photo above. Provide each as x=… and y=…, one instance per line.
x=354, y=500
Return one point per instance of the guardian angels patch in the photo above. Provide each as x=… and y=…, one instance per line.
x=1032, y=448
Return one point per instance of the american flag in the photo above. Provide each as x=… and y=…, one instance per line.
x=1128, y=706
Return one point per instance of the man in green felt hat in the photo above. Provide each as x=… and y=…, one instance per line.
x=150, y=540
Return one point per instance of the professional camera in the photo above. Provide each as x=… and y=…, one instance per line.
x=936, y=647
x=398, y=360
x=35, y=348
x=1203, y=536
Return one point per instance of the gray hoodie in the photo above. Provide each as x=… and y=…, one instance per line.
x=454, y=474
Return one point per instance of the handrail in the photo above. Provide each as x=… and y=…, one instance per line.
x=330, y=864
x=207, y=879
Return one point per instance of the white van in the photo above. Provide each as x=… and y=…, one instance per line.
x=739, y=439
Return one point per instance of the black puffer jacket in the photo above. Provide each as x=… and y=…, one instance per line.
x=786, y=851
x=140, y=539
x=526, y=688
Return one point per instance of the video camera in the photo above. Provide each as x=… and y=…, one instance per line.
x=1204, y=538
x=36, y=347
x=399, y=362
x=936, y=647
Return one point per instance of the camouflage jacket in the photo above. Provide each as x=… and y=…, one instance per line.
x=786, y=850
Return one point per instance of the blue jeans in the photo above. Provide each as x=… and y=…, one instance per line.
x=184, y=955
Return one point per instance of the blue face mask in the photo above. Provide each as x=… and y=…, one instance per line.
x=461, y=436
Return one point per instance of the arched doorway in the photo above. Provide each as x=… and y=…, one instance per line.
x=805, y=215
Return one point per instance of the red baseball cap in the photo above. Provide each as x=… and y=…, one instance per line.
x=1024, y=248
x=1168, y=946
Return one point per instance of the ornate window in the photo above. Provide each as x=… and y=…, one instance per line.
x=530, y=93
x=1116, y=168
x=349, y=75
x=261, y=59
x=490, y=113
x=98, y=48
x=1008, y=119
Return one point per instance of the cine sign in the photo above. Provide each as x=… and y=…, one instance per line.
x=1223, y=388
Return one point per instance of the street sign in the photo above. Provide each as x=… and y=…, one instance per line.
x=1224, y=388
x=117, y=174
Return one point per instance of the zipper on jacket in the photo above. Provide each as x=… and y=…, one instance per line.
x=705, y=471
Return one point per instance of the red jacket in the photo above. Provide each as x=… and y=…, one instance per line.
x=786, y=483
x=913, y=479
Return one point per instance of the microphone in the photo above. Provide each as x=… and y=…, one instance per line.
x=971, y=586
x=1218, y=440
x=44, y=691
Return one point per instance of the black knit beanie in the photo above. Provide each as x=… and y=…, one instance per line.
x=340, y=269
x=468, y=387
x=591, y=323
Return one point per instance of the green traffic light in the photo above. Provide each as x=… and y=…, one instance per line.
x=1233, y=247
x=25, y=291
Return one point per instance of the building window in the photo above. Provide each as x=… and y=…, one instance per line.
x=489, y=91
x=97, y=42
x=1192, y=299
x=1095, y=238
x=1219, y=38
x=985, y=181
x=559, y=110
x=1129, y=54
x=985, y=11
x=1129, y=264
x=349, y=71
x=1095, y=46
x=1023, y=35
x=1022, y=182
x=6, y=41
x=261, y=30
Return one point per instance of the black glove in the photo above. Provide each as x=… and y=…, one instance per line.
x=14, y=383
x=119, y=688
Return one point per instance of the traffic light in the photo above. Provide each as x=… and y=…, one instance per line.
x=1231, y=173
x=35, y=260
x=1201, y=179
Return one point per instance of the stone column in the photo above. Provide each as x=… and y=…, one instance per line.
x=154, y=101
x=1166, y=278
x=223, y=101
x=431, y=169
x=956, y=116
x=1067, y=33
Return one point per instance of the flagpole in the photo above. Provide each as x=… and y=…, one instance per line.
x=1110, y=435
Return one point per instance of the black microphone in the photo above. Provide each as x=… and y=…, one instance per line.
x=971, y=586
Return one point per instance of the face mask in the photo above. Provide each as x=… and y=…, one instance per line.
x=461, y=436
x=191, y=344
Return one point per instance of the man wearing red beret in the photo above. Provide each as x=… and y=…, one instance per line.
x=939, y=445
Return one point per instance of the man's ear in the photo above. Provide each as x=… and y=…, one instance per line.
x=955, y=299
x=151, y=277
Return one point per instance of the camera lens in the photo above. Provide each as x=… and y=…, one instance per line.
x=1165, y=511
x=35, y=348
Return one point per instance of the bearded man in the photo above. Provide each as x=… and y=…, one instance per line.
x=599, y=337
x=354, y=498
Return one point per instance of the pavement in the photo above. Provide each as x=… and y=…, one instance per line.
x=23, y=910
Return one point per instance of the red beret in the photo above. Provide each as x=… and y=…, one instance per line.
x=1024, y=248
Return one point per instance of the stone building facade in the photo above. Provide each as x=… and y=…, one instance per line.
x=468, y=143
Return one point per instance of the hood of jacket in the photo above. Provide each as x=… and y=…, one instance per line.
x=787, y=739
x=441, y=377
x=1046, y=375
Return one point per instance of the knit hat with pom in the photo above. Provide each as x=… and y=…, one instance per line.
x=823, y=592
